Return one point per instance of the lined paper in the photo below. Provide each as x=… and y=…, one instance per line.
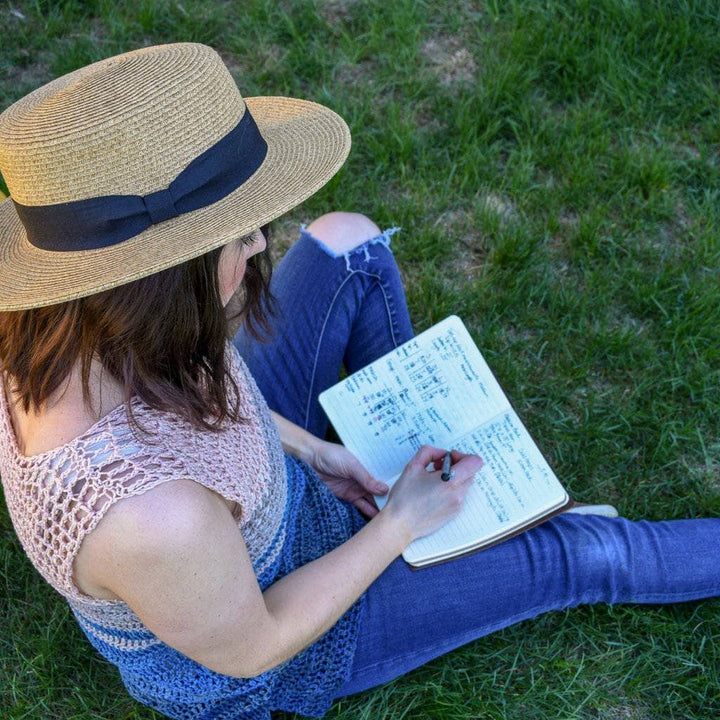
x=438, y=390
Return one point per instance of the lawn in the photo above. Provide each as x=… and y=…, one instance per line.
x=555, y=167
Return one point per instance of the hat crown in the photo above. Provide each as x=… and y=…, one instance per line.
x=123, y=126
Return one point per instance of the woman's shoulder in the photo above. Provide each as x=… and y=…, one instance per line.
x=145, y=529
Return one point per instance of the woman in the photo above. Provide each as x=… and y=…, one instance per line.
x=142, y=467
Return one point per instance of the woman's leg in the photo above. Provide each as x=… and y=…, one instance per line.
x=340, y=300
x=413, y=616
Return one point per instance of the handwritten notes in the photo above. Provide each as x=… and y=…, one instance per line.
x=437, y=389
x=428, y=391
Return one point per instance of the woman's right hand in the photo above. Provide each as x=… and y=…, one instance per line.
x=421, y=500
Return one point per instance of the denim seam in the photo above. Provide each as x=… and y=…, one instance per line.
x=377, y=278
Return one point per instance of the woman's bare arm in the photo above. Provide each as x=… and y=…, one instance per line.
x=177, y=558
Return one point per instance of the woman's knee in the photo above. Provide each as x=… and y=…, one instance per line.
x=343, y=231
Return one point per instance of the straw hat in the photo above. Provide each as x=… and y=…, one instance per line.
x=133, y=141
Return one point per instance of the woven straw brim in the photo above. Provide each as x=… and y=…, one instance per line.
x=307, y=145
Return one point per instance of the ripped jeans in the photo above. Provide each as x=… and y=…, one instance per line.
x=351, y=309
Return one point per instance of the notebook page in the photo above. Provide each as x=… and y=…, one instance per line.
x=515, y=486
x=432, y=389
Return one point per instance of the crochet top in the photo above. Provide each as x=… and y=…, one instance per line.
x=288, y=518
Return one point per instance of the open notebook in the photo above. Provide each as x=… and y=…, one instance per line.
x=437, y=389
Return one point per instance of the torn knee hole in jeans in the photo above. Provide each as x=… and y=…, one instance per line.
x=363, y=249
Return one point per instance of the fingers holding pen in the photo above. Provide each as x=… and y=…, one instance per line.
x=460, y=463
x=455, y=464
x=422, y=499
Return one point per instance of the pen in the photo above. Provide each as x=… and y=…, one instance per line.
x=446, y=473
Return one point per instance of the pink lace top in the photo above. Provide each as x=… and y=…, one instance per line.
x=57, y=497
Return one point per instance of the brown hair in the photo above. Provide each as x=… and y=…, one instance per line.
x=162, y=337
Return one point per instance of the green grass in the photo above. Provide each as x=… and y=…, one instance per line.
x=555, y=166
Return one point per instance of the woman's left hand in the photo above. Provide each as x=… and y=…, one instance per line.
x=348, y=480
